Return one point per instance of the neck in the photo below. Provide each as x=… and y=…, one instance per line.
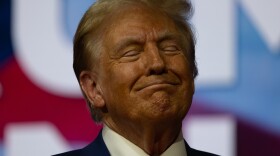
x=153, y=138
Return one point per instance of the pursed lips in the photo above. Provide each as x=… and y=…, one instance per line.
x=160, y=82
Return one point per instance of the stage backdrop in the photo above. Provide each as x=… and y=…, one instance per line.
x=236, y=108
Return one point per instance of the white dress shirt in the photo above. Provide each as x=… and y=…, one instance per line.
x=120, y=146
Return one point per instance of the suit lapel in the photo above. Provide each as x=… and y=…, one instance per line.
x=96, y=148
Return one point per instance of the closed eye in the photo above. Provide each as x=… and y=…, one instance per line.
x=170, y=48
x=131, y=53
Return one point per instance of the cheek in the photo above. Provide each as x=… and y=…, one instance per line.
x=117, y=88
x=119, y=79
x=125, y=74
x=180, y=66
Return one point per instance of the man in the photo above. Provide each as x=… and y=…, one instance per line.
x=135, y=63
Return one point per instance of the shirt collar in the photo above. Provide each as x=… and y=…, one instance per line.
x=120, y=146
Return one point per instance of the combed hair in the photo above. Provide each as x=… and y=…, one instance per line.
x=88, y=37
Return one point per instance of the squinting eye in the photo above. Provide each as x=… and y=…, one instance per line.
x=170, y=48
x=131, y=53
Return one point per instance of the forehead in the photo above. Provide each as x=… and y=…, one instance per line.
x=139, y=22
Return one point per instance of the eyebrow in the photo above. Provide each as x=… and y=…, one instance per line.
x=136, y=40
x=129, y=40
x=170, y=36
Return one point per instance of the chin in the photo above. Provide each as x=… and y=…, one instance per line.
x=164, y=116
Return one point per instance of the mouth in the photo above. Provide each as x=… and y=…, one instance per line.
x=157, y=84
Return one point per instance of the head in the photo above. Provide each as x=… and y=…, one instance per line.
x=116, y=71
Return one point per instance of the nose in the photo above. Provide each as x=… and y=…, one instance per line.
x=155, y=61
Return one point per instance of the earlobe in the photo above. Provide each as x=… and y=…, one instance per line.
x=91, y=89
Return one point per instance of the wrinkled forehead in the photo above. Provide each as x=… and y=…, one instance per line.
x=139, y=22
x=140, y=14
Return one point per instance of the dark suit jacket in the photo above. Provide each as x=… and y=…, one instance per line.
x=98, y=148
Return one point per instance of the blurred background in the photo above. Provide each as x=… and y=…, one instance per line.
x=235, y=111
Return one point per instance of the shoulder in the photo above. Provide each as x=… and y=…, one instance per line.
x=194, y=152
x=97, y=148
x=70, y=153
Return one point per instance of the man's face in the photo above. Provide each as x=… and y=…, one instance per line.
x=144, y=75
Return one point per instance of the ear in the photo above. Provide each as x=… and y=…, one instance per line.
x=91, y=89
